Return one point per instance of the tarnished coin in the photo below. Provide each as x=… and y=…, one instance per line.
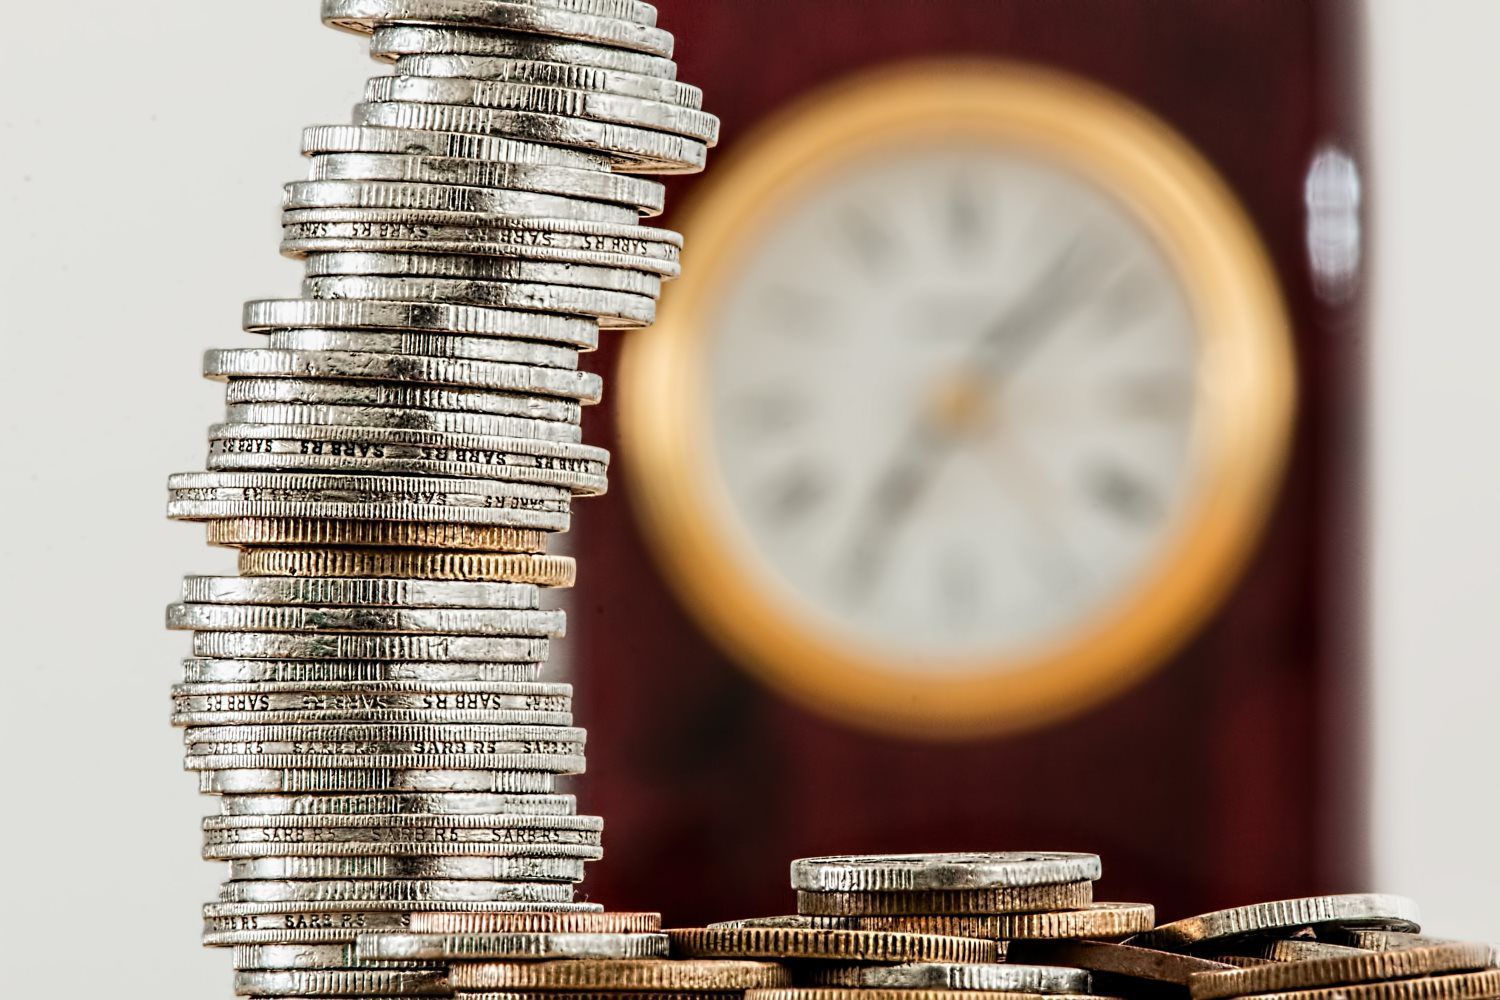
x=1372, y=910
x=608, y=922
x=1002, y=899
x=1122, y=960
x=905, y=873
x=1003, y=977
x=481, y=869
x=829, y=945
x=512, y=946
x=1379, y=940
x=320, y=775
x=633, y=976
x=341, y=983
x=1464, y=986
x=374, y=534
x=542, y=571
x=1335, y=970
x=355, y=891
x=1098, y=920
x=264, y=315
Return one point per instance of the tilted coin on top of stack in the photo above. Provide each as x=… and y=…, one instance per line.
x=367, y=696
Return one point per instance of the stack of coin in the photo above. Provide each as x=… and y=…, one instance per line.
x=999, y=897
x=914, y=927
x=367, y=695
x=588, y=956
x=1346, y=947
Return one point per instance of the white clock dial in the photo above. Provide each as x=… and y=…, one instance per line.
x=951, y=398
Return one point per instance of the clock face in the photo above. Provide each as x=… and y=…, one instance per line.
x=951, y=399
x=970, y=403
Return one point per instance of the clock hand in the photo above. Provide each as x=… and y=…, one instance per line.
x=935, y=433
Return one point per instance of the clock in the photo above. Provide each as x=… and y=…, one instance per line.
x=970, y=404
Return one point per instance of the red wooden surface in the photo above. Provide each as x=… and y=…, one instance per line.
x=1230, y=775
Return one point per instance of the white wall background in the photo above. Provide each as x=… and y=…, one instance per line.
x=1436, y=627
x=194, y=108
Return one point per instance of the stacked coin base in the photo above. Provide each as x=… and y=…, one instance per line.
x=368, y=696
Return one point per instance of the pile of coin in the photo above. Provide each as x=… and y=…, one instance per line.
x=1343, y=947
x=367, y=695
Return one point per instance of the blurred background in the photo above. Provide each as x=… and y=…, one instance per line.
x=1067, y=434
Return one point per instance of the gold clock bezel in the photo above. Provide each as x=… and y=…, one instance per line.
x=1245, y=398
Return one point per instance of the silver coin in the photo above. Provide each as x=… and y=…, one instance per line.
x=310, y=448
x=614, y=310
x=514, y=946
x=365, y=16
x=402, y=40
x=321, y=697
x=382, y=867
x=365, y=764
x=420, y=11
x=321, y=139
x=540, y=99
x=482, y=268
x=341, y=983
x=320, y=777
x=438, y=421
x=265, y=315
x=225, y=671
x=402, y=397
x=369, y=365
x=301, y=618
x=312, y=231
x=646, y=197
x=409, y=197
x=226, y=846
x=337, y=646
x=306, y=956
x=403, y=890
x=432, y=345
x=987, y=977
x=907, y=872
x=1371, y=910
x=384, y=804
x=389, y=593
x=637, y=150
x=552, y=74
x=227, y=924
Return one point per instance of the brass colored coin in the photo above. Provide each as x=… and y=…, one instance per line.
x=374, y=534
x=1356, y=967
x=1466, y=986
x=608, y=922
x=1116, y=960
x=830, y=945
x=1385, y=912
x=857, y=993
x=607, y=995
x=1286, y=949
x=543, y=571
x=1243, y=961
x=666, y=976
x=1098, y=920
x=1003, y=899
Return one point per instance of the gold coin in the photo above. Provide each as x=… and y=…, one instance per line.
x=1338, y=970
x=536, y=923
x=374, y=534
x=1097, y=920
x=544, y=571
x=830, y=945
x=611, y=975
x=1019, y=899
x=1468, y=986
